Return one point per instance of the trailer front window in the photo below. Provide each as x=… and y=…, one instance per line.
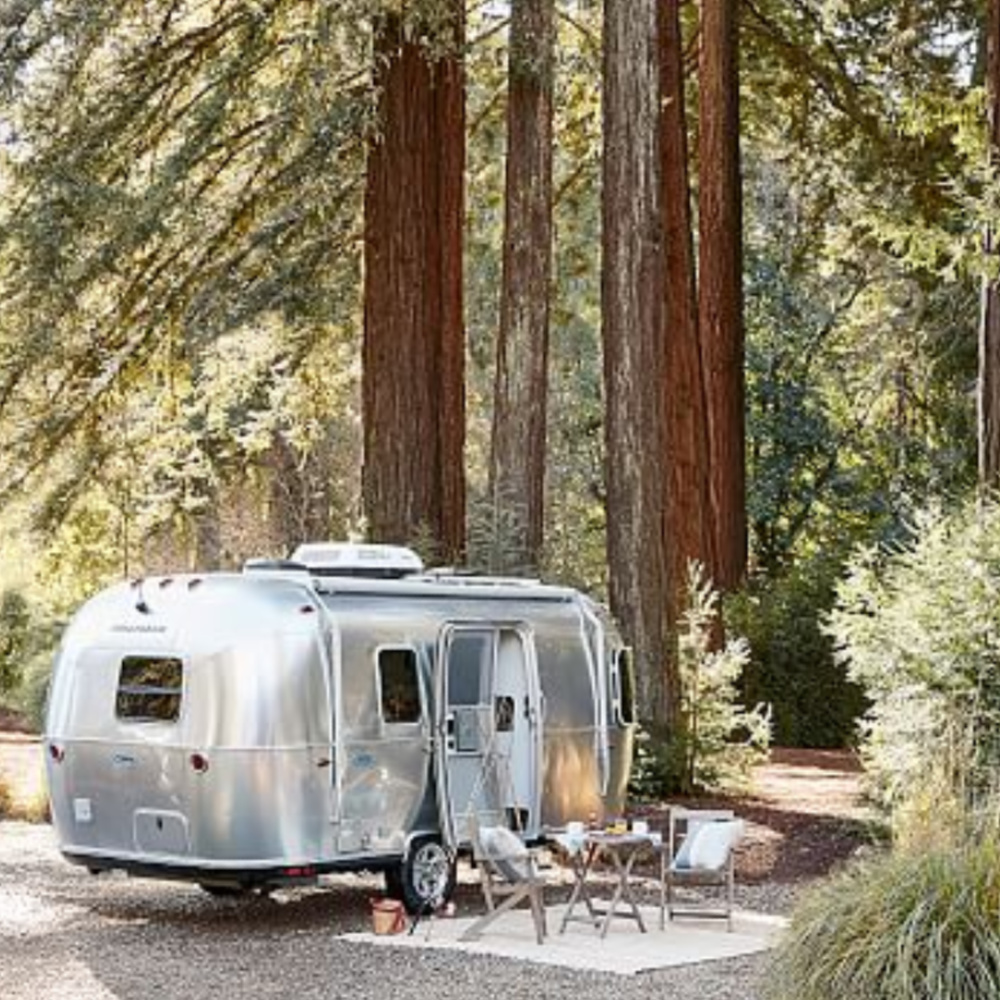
x=626, y=686
x=398, y=685
x=149, y=689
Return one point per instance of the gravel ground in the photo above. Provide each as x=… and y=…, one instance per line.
x=65, y=934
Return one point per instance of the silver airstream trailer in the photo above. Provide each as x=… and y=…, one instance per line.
x=341, y=711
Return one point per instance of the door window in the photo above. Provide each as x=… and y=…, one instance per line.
x=470, y=658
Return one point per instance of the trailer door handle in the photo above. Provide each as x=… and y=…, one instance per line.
x=324, y=762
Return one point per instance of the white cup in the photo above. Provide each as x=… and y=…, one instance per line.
x=640, y=826
x=575, y=827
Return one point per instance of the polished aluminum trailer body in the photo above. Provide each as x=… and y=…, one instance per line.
x=258, y=728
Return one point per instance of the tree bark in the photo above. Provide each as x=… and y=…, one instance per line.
x=720, y=285
x=517, y=461
x=687, y=512
x=988, y=401
x=632, y=300
x=413, y=480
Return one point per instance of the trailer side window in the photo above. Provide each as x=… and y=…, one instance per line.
x=626, y=686
x=398, y=685
x=149, y=689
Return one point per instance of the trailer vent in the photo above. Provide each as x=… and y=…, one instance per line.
x=381, y=562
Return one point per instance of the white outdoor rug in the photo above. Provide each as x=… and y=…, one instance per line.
x=625, y=950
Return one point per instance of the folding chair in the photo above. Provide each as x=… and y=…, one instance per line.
x=698, y=852
x=507, y=868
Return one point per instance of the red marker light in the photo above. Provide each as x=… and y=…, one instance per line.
x=307, y=609
x=199, y=762
x=57, y=753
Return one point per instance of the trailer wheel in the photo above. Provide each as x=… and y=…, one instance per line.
x=425, y=878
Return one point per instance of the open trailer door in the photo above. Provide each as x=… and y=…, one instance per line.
x=488, y=750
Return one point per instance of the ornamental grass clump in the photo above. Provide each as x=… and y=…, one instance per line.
x=913, y=925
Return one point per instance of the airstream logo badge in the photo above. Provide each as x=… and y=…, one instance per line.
x=138, y=628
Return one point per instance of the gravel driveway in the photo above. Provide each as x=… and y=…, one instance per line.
x=66, y=934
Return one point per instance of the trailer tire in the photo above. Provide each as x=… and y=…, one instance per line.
x=425, y=878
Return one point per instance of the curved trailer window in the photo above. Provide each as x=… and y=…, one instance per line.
x=625, y=689
x=149, y=689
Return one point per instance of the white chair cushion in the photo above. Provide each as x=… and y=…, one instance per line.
x=709, y=846
x=507, y=851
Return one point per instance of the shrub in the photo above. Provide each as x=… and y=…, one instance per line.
x=718, y=739
x=792, y=666
x=6, y=800
x=920, y=629
x=914, y=925
x=15, y=636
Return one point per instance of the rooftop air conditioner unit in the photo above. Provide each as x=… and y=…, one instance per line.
x=384, y=562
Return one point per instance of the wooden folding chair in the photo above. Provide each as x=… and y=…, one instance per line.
x=509, y=871
x=698, y=852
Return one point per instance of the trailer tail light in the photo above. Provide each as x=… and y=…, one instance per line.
x=306, y=871
x=199, y=762
x=57, y=753
x=307, y=609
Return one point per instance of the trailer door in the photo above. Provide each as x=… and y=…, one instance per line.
x=488, y=750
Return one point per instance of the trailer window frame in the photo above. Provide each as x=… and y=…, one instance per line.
x=623, y=676
x=412, y=699
x=150, y=699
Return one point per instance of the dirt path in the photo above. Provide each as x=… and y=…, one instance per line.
x=807, y=815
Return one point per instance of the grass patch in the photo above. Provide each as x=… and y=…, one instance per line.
x=33, y=810
x=912, y=925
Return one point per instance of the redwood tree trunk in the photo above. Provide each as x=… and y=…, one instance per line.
x=632, y=297
x=517, y=464
x=720, y=285
x=989, y=326
x=687, y=512
x=413, y=353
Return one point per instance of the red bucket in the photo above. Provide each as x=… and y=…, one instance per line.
x=388, y=916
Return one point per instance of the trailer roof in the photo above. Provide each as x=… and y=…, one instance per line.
x=449, y=586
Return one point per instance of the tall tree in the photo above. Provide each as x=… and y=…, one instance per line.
x=720, y=284
x=413, y=392
x=989, y=325
x=517, y=462
x=185, y=177
x=631, y=285
x=687, y=511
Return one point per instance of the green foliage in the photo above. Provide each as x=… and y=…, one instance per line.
x=919, y=628
x=792, y=666
x=182, y=188
x=717, y=740
x=28, y=638
x=6, y=800
x=913, y=925
x=15, y=621
x=721, y=738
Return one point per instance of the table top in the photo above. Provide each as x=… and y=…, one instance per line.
x=605, y=837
